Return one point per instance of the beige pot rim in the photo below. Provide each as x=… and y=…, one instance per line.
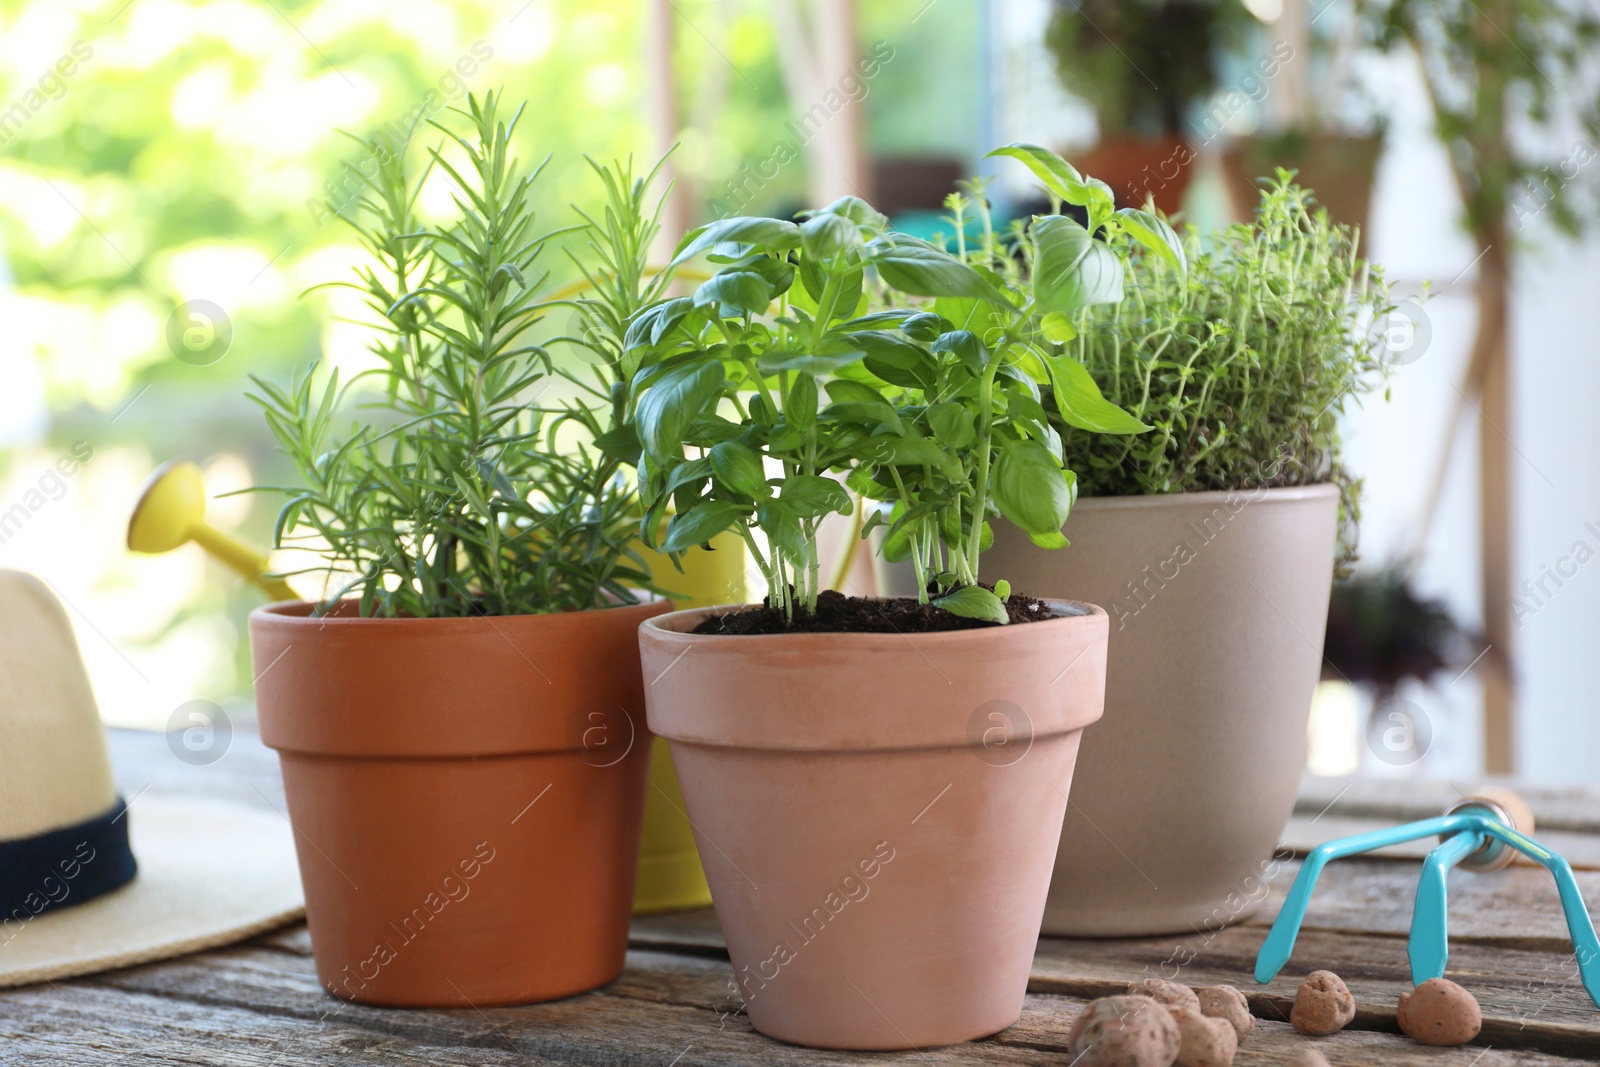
x=1278, y=494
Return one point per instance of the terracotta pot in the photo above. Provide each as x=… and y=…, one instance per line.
x=877, y=813
x=1218, y=603
x=1138, y=168
x=1338, y=169
x=466, y=796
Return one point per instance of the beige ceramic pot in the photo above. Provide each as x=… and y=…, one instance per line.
x=1217, y=604
x=877, y=813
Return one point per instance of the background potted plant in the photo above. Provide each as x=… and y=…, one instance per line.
x=855, y=767
x=1142, y=65
x=462, y=734
x=1211, y=542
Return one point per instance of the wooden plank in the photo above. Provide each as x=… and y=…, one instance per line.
x=664, y=1009
x=259, y=1005
x=1531, y=997
x=1574, y=808
x=1306, y=832
x=1517, y=907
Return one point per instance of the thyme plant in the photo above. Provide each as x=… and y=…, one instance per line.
x=465, y=489
x=1241, y=357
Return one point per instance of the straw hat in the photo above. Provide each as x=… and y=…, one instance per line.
x=87, y=882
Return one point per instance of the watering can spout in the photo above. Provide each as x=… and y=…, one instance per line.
x=171, y=512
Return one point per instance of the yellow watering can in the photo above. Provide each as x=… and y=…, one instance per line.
x=670, y=875
x=171, y=512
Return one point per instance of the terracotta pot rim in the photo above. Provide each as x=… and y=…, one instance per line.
x=297, y=614
x=1277, y=494
x=666, y=624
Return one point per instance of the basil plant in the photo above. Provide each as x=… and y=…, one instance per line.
x=832, y=358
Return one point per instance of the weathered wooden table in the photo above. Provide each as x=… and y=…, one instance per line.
x=259, y=1003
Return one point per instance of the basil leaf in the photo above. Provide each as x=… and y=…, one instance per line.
x=700, y=524
x=1153, y=232
x=766, y=233
x=739, y=469
x=1073, y=270
x=914, y=266
x=1080, y=402
x=1032, y=490
x=974, y=602
x=736, y=293
x=812, y=496
x=672, y=400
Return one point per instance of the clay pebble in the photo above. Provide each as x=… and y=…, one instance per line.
x=1309, y=1057
x=1323, y=1005
x=1226, y=1002
x=1204, y=1041
x=1172, y=995
x=1439, y=1012
x=1123, y=1031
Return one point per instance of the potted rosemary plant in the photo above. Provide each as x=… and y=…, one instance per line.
x=853, y=766
x=460, y=720
x=1211, y=542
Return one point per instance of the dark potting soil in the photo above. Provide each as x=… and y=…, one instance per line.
x=837, y=613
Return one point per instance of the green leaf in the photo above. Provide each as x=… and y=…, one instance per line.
x=1031, y=489
x=620, y=443
x=782, y=527
x=800, y=406
x=925, y=326
x=954, y=425
x=1073, y=270
x=842, y=391
x=914, y=266
x=736, y=293
x=1063, y=179
x=672, y=400
x=876, y=414
x=700, y=524
x=896, y=360
x=1002, y=589
x=906, y=452
x=1080, y=402
x=1152, y=231
x=826, y=235
x=806, y=362
x=966, y=347
x=739, y=469
x=654, y=322
x=1057, y=328
x=764, y=233
x=974, y=602
x=811, y=496
x=857, y=211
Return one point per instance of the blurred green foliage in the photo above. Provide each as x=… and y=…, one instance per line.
x=154, y=152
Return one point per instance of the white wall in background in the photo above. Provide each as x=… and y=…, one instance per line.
x=1556, y=452
x=1415, y=232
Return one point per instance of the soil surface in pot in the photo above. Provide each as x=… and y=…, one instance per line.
x=837, y=613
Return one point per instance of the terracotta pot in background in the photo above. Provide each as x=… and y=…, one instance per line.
x=1218, y=603
x=1140, y=167
x=466, y=796
x=877, y=813
x=1339, y=169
